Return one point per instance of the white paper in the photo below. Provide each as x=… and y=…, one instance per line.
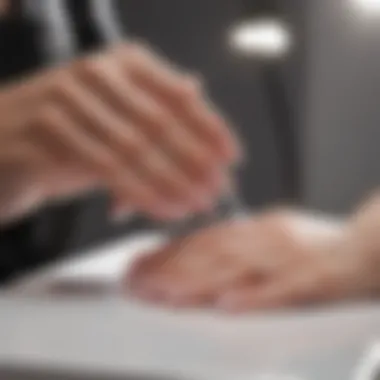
x=124, y=337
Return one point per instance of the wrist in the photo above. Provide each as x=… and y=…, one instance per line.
x=363, y=243
x=314, y=231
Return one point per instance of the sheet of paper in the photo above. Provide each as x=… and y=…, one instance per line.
x=123, y=336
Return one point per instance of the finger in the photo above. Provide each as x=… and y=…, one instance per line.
x=185, y=151
x=194, y=282
x=142, y=267
x=182, y=94
x=99, y=118
x=147, y=270
x=154, y=261
x=56, y=125
x=249, y=298
x=293, y=289
x=202, y=289
x=173, y=185
x=159, y=293
x=131, y=146
x=60, y=127
x=149, y=67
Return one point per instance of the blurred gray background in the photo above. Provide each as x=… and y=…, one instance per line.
x=341, y=132
x=331, y=83
x=264, y=99
x=194, y=34
x=308, y=121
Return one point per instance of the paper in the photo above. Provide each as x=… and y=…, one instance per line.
x=124, y=337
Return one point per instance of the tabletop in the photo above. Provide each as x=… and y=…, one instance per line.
x=113, y=334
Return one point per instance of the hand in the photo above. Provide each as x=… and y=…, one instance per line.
x=27, y=180
x=130, y=121
x=273, y=260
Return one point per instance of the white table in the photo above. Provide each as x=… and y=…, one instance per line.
x=120, y=336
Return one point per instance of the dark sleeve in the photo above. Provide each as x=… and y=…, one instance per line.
x=17, y=251
x=20, y=51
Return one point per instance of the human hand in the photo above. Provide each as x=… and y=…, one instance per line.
x=28, y=180
x=127, y=120
x=273, y=260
